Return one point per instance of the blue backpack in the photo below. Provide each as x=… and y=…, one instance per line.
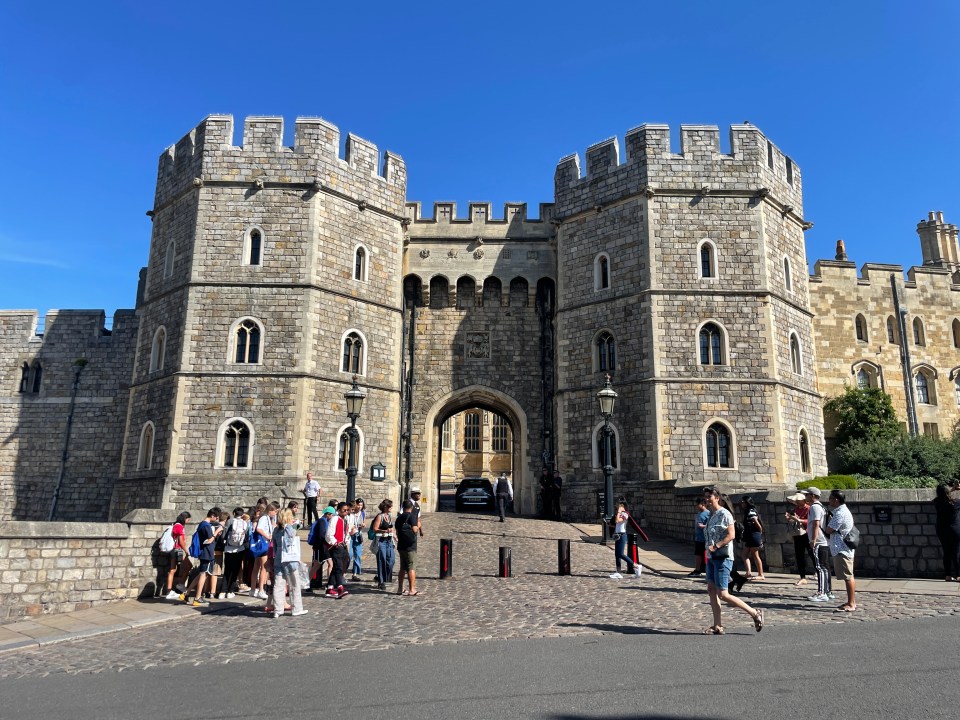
x=195, y=544
x=317, y=532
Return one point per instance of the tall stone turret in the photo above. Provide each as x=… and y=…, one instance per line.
x=938, y=242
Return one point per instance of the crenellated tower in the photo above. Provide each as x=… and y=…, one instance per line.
x=265, y=261
x=683, y=276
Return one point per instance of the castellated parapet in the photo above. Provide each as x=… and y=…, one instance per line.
x=754, y=165
x=207, y=154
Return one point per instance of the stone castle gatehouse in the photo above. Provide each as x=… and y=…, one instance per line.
x=277, y=274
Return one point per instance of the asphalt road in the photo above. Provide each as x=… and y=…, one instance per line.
x=896, y=669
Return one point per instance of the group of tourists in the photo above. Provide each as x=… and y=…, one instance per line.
x=828, y=538
x=259, y=548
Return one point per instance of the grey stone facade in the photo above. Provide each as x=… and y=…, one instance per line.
x=497, y=313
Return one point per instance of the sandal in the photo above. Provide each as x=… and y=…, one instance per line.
x=413, y=594
x=758, y=620
x=845, y=608
x=714, y=630
x=800, y=583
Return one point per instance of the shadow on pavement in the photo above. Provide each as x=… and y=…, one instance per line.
x=627, y=630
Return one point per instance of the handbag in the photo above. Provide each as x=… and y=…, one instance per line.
x=852, y=538
x=259, y=545
x=374, y=544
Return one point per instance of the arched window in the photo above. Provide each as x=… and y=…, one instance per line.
x=892, y=331
x=796, y=361
x=360, y=264
x=923, y=389
x=860, y=323
x=492, y=292
x=352, y=354
x=863, y=379
x=439, y=292
x=159, y=349
x=804, y=452
x=247, y=342
x=253, y=250
x=787, y=278
x=235, y=444
x=343, y=448
x=719, y=446
x=145, y=454
x=918, y=336
x=413, y=291
x=956, y=333
x=466, y=292
x=600, y=457
x=500, y=440
x=36, y=372
x=956, y=390
x=708, y=260
x=472, y=432
x=25, y=378
x=168, y=260
x=711, y=345
x=606, y=356
x=601, y=272
x=519, y=292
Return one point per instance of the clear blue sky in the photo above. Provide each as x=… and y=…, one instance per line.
x=480, y=99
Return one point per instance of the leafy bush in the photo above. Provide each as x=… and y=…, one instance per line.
x=830, y=482
x=902, y=456
x=897, y=482
x=861, y=414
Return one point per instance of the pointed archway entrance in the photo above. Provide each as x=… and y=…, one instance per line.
x=484, y=399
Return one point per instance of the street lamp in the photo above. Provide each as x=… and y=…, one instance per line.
x=607, y=399
x=354, y=397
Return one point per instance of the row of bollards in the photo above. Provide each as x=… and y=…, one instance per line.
x=505, y=570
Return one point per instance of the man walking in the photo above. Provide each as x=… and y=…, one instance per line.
x=546, y=483
x=310, y=493
x=841, y=523
x=816, y=522
x=503, y=492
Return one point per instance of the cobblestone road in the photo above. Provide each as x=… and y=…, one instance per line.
x=473, y=606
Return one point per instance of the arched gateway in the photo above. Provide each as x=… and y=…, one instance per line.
x=489, y=400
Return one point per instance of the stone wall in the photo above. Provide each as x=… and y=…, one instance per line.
x=53, y=567
x=34, y=420
x=907, y=546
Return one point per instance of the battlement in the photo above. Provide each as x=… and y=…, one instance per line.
x=835, y=272
x=207, y=153
x=479, y=212
x=752, y=163
x=85, y=325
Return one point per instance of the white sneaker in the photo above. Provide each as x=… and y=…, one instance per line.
x=254, y=593
x=231, y=595
x=263, y=595
x=637, y=570
x=819, y=598
x=295, y=613
x=831, y=596
x=616, y=576
x=173, y=595
x=276, y=615
x=221, y=596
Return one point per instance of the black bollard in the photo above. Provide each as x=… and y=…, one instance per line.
x=446, y=558
x=563, y=557
x=504, y=562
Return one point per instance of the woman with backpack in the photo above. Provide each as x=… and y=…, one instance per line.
x=174, y=543
x=260, y=538
x=385, y=537
x=286, y=565
x=234, y=545
x=752, y=538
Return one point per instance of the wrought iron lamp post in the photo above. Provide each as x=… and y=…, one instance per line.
x=607, y=399
x=354, y=397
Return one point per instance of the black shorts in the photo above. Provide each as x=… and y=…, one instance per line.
x=175, y=557
x=699, y=547
x=753, y=539
x=205, y=566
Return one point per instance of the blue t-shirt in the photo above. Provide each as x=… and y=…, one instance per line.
x=205, y=529
x=702, y=518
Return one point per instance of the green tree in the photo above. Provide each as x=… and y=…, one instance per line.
x=863, y=414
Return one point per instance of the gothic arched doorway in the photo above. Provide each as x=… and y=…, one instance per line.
x=493, y=430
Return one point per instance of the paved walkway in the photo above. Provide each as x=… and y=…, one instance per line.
x=474, y=605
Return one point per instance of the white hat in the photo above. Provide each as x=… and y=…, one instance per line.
x=415, y=489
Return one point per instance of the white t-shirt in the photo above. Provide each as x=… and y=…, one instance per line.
x=816, y=513
x=265, y=526
x=716, y=531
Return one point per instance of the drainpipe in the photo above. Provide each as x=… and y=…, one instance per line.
x=77, y=369
x=407, y=400
x=905, y=363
